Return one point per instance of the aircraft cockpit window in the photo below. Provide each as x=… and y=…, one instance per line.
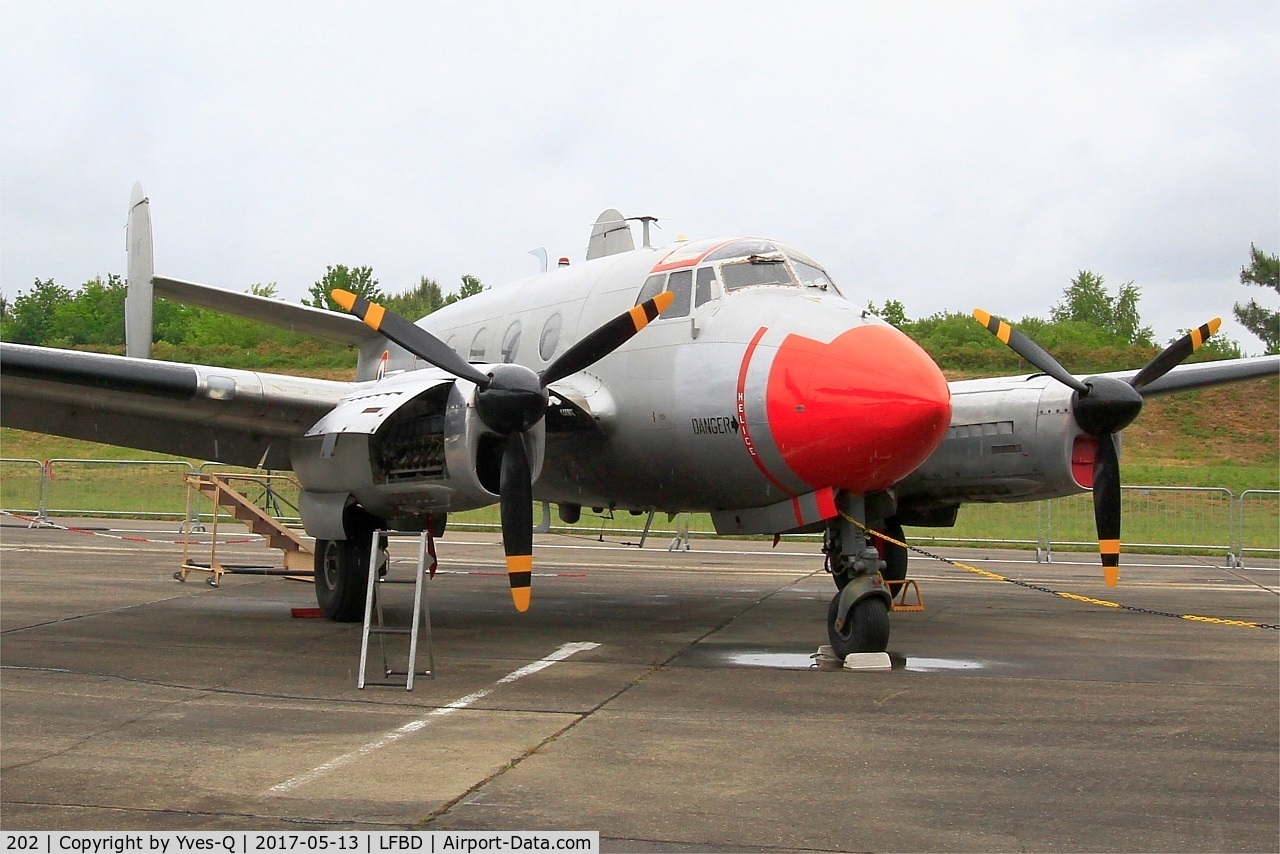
x=681, y=284
x=743, y=249
x=811, y=276
x=756, y=270
x=705, y=289
x=652, y=287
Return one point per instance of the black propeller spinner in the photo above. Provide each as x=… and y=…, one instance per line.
x=509, y=400
x=1103, y=406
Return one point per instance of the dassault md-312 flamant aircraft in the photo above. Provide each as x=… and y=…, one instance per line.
x=727, y=376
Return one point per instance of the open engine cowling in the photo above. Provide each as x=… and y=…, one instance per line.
x=404, y=448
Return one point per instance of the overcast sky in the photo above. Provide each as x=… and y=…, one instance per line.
x=948, y=155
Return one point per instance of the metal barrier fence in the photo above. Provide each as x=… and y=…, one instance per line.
x=22, y=487
x=150, y=488
x=1258, y=524
x=1191, y=519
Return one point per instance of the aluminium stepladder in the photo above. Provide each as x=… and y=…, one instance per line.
x=421, y=616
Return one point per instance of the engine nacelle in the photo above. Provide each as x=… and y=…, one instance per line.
x=407, y=447
x=1010, y=440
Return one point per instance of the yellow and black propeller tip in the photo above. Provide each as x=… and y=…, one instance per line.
x=520, y=574
x=413, y=338
x=1175, y=353
x=605, y=339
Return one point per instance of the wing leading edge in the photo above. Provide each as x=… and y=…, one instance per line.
x=1205, y=374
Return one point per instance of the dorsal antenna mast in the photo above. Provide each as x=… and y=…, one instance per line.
x=645, y=220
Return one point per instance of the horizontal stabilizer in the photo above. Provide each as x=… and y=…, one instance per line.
x=303, y=319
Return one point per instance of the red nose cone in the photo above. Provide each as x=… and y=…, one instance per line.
x=860, y=413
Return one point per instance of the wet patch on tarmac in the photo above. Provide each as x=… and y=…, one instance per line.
x=719, y=655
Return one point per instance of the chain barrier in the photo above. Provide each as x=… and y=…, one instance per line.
x=1104, y=603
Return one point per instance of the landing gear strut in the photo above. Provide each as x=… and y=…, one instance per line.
x=858, y=618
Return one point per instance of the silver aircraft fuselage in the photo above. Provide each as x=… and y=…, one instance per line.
x=762, y=384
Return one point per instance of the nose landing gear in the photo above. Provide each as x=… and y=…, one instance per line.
x=858, y=617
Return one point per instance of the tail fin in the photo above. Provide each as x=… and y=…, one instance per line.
x=141, y=269
x=610, y=235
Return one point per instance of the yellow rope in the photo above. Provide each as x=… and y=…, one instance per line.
x=1102, y=603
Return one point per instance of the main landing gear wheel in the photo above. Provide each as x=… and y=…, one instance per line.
x=342, y=577
x=865, y=628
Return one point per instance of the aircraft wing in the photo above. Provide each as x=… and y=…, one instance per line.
x=1205, y=374
x=1179, y=379
x=231, y=416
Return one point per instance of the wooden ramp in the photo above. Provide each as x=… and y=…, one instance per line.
x=227, y=492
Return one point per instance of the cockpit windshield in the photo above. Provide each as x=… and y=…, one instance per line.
x=811, y=275
x=743, y=263
x=756, y=270
x=752, y=263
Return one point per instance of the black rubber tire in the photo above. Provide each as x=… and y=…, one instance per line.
x=342, y=577
x=866, y=628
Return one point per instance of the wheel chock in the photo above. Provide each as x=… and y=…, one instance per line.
x=826, y=659
x=868, y=661
x=906, y=596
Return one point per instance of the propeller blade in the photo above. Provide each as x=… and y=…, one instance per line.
x=1174, y=354
x=413, y=338
x=605, y=339
x=1029, y=350
x=1106, y=506
x=516, y=494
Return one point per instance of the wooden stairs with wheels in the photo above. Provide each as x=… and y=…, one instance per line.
x=298, y=556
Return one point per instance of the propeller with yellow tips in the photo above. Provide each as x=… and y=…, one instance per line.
x=1103, y=406
x=510, y=399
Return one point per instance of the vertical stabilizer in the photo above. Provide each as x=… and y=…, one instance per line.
x=141, y=268
x=610, y=236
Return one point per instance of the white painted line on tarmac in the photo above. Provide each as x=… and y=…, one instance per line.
x=413, y=726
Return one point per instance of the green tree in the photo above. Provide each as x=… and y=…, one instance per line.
x=470, y=287
x=172, y=321
x=417, y=302
x=893, y=312
x=32, y=319
x=93, y=315
x=213, y=328
x=1086, y=301
x=955, y=340
x=1264, y=270
x=357, y=280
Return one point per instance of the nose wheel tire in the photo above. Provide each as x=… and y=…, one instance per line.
x=865, y=627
